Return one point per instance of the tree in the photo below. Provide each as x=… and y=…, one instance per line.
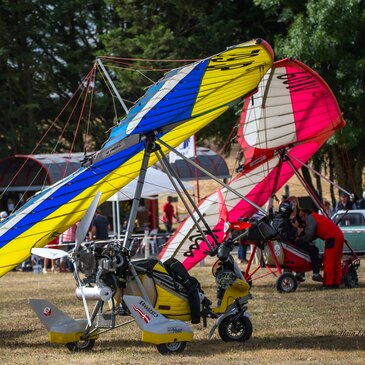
x=328, y=36
x=45, y=49
x=180, y=30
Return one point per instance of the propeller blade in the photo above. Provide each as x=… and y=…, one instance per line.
x=49, y=253
x=85, y=222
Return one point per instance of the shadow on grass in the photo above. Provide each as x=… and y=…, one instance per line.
x=201, y=347
x=197, y=347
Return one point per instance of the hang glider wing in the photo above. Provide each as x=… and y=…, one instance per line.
x=179, y=105
x=293, y=113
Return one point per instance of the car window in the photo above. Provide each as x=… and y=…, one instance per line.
x=350, y=219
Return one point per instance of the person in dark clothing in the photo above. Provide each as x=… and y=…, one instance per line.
x=100, y=227
x=360, y=204
x=282, y=224
x=287, y=229
x=344, y=203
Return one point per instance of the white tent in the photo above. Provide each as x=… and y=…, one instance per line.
x=156, y=182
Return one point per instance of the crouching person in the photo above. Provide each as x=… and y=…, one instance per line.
x=319, y=226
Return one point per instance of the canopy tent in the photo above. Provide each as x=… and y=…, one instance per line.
x=157, y=182
x=207, y=159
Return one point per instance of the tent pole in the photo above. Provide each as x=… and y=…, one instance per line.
x=196, y=173
x=114, y=220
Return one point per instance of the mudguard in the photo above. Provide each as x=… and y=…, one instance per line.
x=156, y=328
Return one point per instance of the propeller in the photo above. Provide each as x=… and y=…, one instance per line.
x=82, y=229
x=85, y=222
x=49, y=253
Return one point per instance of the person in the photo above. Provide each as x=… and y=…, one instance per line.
x=53, y=244
x=242, y=252
x=319, y=226
x=286, y=224
x=3, y=215
x=168, y=213
x=143, y=216
x=100, y=227
x=344, y=203
x=327, y=208
x=282, y=223
x=360, y=204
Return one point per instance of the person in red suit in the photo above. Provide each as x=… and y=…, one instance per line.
x=319, y=226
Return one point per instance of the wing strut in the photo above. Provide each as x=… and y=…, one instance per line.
x=98, y=60
x=212, y=177
x=172, y=174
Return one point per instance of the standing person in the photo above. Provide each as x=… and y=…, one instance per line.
x=327, y=208
x=52, y=244
x=100, y=227
x=242, y=252
x=3, y=215
x=360, y=204
x=168, y=213
x=319, y=226
x=344, y=203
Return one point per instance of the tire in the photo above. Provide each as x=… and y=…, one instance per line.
x=286, y=283
x=171, y=348
x=232, y=329
x=351, y=279
x=80, y=346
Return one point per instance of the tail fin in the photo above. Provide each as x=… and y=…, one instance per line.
x=54, y=319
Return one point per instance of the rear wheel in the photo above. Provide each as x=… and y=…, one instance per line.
x=83, y=345
x=235, y=329
x=286, y=283
x=171, y=348
x=351, y=279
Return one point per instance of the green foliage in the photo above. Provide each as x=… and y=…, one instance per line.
x=47, y=47
x=327, y=35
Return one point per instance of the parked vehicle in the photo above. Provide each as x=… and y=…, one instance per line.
x=352, y=224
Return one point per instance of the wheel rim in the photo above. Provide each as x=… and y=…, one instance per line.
x=173, y=346
x=82, y=344
x=236, y=329
x=287, y=284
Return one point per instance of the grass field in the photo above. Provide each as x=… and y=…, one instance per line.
x=309, y=326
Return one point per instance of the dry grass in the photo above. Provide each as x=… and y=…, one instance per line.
x=305, y=327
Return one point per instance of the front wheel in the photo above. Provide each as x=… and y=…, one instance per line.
x=171, y=348
x=286, y=283
x=83, y=345
x=235, y=329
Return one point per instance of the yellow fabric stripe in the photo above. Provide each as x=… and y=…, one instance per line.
x=232, y=74
x=17, y=250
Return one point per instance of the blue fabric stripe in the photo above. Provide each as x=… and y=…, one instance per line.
x=72, y=186
x=176, y=106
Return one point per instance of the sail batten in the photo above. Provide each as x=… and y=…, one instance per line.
x=293, y=111
x=180, y=104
